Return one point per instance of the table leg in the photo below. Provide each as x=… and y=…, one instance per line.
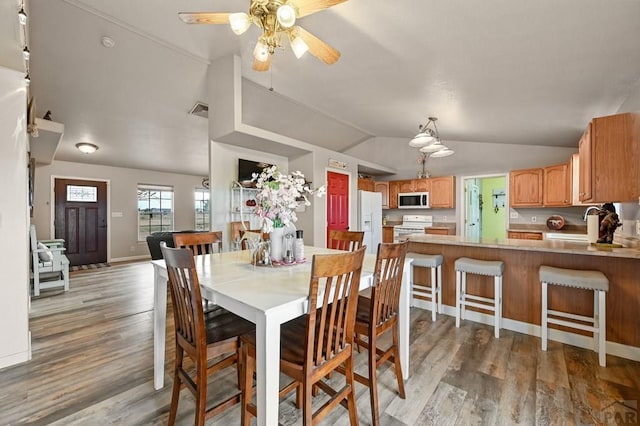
x=267, y=369
x=159, y=326
x=403, y=317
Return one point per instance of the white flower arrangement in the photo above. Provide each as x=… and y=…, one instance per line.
x=279, y=196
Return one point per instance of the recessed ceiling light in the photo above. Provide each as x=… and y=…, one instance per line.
x=86, y=147
x=107, y=42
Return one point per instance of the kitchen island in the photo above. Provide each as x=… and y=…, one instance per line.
x=521, y=293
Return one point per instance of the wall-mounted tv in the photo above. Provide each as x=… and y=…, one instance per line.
x=246, y=169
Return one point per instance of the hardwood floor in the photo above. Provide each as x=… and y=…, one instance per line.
x=93, y=365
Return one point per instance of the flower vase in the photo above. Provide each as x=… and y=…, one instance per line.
x=275, y=236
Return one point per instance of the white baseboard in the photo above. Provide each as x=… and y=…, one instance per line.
x=579, y=340
x=130, y=258
x=14, y=359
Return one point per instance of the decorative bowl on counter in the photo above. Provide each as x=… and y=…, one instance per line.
x=555, y=222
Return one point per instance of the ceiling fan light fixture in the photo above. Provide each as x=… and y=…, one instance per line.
x=239, y=22
x=261, y=51
x=299, y=47
x=286, y=15
x=86, y=147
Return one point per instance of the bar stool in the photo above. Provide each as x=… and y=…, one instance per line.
x=590, y=280
x=433, y=292
x=494, y=268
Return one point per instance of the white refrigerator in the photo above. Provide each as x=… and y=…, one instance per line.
x=370, y=219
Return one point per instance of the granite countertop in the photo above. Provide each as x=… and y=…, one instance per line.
x=556, y=246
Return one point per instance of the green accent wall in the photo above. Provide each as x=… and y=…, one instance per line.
x=494, y=224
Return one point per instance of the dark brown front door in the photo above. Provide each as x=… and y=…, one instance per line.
x=81, y=219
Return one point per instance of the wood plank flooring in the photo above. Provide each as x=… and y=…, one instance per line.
x=93, y=365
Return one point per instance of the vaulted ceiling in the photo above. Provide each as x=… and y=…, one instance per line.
x=503, y=71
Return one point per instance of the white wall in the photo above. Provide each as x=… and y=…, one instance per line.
x=123, y=185
x=14, y=252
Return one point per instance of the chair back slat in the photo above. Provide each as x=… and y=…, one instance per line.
x=345, y=240
x=199, y=242
x=330, y=327
x=185, y=295
x=385, y=294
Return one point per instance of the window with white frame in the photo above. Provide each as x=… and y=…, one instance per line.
x=202, y=209
x=155, y=209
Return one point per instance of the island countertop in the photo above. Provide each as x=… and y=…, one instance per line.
x=554, y=246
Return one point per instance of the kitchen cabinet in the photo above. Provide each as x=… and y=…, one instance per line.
x=366, y=184
x=609, y=159
x=442, y=193
x=524, y=235
x=525, y=187
x=584, y=159
x=440, y=231
x=557, y=186
x=394, y=189
x=414, y=185
x=387, y=234
x=382, y=188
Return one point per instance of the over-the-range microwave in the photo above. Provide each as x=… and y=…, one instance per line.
x=413, y=200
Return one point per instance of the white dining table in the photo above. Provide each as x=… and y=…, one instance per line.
x=268, y=296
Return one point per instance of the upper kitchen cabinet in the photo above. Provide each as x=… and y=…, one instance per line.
x=557, y=186
x=609, y=159
x=584, y=166
x=525, y=187
x=414, y=185
x=442, y=193
x=366, y=184
x=394, y=189
x=383, y=188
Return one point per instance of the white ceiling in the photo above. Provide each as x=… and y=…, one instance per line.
x=503, y=71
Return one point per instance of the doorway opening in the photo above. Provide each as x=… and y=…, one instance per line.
x=485, y=206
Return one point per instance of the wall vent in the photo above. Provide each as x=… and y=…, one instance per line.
x=200, y=109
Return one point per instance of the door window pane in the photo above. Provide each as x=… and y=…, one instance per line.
x=83, y=194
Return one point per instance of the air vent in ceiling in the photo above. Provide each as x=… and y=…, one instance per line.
x=200, y=109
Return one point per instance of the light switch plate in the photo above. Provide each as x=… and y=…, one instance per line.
x=513, y=215
x=534, y=219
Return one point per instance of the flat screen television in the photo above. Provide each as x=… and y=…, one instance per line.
x=246, y=169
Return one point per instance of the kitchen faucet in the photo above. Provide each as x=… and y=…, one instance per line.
x=586, y=213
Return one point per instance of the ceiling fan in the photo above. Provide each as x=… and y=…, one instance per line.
x=276, y=19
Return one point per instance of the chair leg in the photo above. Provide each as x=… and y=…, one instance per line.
x=434, y=294
x=602, y=314
x=458, y=295
x=351, y=398
x=496, y=306
x=175, y=395
x=201, y=393
x=373, y=378
x=439, y=269
x=396, y=360
x=307, y=399
x=463, y=295
x=248, y=366
x=543, y=333
x=66, y=277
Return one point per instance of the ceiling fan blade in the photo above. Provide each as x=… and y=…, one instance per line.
x=261, y=66
x=204, y=17
x=317, y=47
x=307, y=7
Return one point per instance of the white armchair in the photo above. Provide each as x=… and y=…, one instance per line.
x=49, y=265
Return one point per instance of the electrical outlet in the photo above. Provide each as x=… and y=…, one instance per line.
x=513, y=215
x=534, y=219
x=132, y=249
x=444, y=218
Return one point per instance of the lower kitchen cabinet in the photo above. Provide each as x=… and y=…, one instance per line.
x=387, y=234
x=524, y=235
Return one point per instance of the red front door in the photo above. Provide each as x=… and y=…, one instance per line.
x=337, y=202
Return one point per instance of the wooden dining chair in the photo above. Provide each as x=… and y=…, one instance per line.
x=377, y=315
x=250, y=238
x=201, y=337
x=345, y=240
x=317, y=343
x=199, y=242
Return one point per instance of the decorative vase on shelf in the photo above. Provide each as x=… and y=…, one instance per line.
x=275, y=236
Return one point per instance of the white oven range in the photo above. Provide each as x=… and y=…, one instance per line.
x=411, y=224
